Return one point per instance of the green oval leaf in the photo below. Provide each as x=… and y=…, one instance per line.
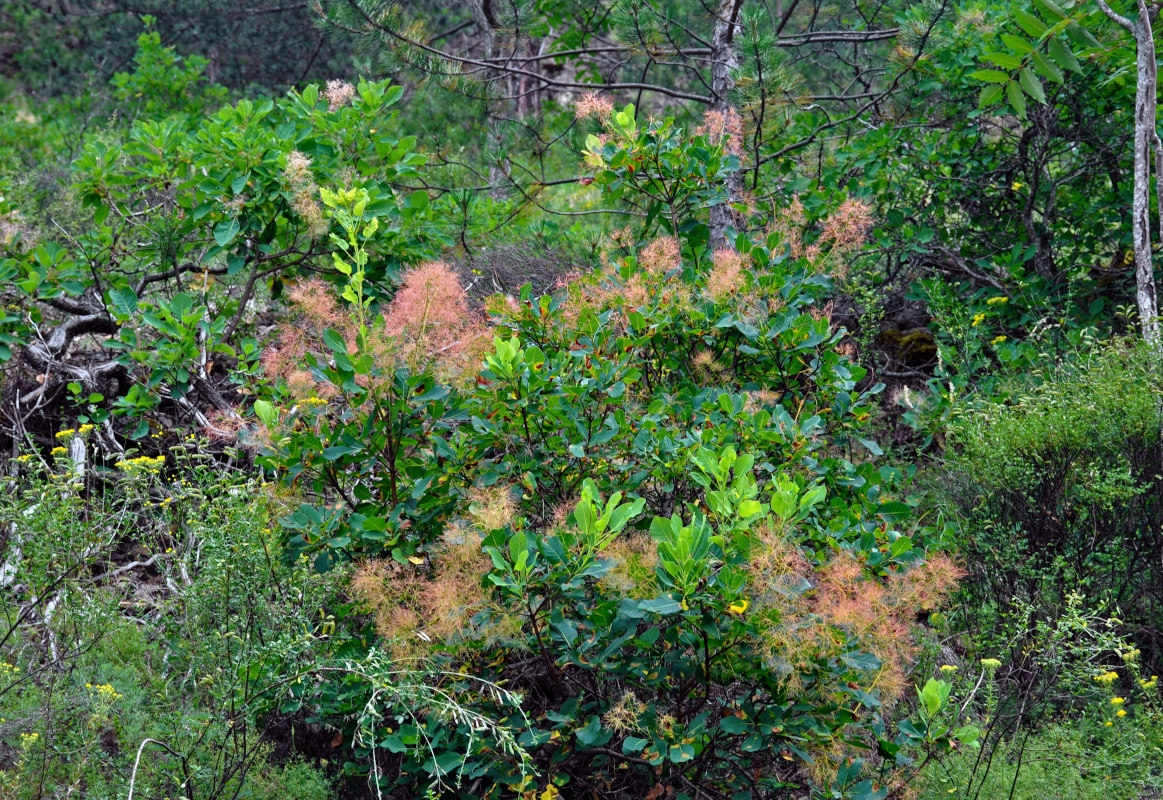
x=1029, y=23
x=990, y=75
x=225, y=231
x=989, y=95
x=1046, y=68
x=1016, y=98
x=1031, y=85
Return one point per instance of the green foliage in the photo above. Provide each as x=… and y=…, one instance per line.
x=379, y=452
x=705, y=405
x=164, y=83
x=1026, y=62
x=673, y=176
x=296, y=779
x=1080, y=760
x=85, y=684
x=1058, y=490
x=985, y=205
x=1082, y=661
x=638, y=536
x=221, y=207
x=57, y=50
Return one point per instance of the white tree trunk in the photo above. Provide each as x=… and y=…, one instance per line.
x=1145, y=101
x=1146, y=86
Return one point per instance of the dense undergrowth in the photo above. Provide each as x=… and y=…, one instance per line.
x=719, y=470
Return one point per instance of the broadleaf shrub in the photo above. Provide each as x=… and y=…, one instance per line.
x=648, y=505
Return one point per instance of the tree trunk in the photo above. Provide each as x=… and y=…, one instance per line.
x=724, y=62
x=484, y=17
x=1146, y=86
x=1145, y=101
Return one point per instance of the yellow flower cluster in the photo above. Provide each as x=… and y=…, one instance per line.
x=24, y=458
x=70, y=432
x=59, y=451
x=1107, y=678
x=948, y=668
x=27, y=740
x=7, y=670
x=1131, y=655
x=990, y=665
x=1118, y=701
x=998, y=339
x=978, y=318
x=312, y=401
x=1149, y=684
x=142, y=464
x=996, y=301
x=104, y=691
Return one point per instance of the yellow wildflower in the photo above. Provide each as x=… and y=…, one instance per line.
x=141, y=464
x=978, y=318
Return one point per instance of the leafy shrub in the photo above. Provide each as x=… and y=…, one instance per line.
x=162, y=82
x=1060, y=492
x=649, y=511
x=221, y=208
